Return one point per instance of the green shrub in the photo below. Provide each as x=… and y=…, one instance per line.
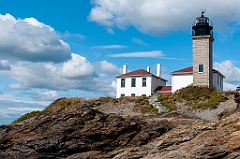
x=196, y=97
x=168, y=101
x=148, y=109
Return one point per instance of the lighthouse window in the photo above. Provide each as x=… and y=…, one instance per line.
x=200, y=68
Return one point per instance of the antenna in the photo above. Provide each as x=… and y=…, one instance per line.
x=203, y=11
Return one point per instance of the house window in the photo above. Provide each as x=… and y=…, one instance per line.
x=200, y=68
x=221, y=82
x=123, y=82
x=217, y=80
x=144, y=82
x=133, y=82
x=122, y=95
x=133, y=94
x=144, y=95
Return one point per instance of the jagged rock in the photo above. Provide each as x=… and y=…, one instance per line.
x=82, y=132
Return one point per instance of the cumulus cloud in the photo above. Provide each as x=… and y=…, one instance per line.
x=71, y=74
x=77, y=67
x=30, y=40
x=4, y=65
x=76, y=73
x=109, y=68
x=160, y=16
x=11, y=110
x=231, y=72
x=47, y=95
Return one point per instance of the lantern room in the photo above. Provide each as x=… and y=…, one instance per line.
x=201, y=26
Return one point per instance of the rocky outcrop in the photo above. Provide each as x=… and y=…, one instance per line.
x=81, y=132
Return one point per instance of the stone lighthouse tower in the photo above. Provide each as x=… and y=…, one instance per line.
x=202, y=38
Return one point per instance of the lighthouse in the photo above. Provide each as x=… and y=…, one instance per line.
x=202, y=39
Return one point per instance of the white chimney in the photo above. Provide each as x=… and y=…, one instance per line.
x=158, y=70
x=148, y=69
x=125, y=69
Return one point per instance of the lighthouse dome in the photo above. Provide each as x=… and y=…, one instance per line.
x=201, y=26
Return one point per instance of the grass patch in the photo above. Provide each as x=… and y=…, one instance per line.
x=196, y=97
x=26, y=116
x=149, y=109
x=62, y=103
x=57, y=105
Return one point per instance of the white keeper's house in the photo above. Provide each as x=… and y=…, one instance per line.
x=141, y=83
x=201, y=73
x=184, y=77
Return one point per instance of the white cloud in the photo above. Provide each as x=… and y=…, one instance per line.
x=30, y=40
x=100, y=15
x=74, y=74
x=231, y=72
x=138, y=41
x=110, y=47
x=109, y=68
x=110, y=31
x=67, y=35
x=147, y=54
x=161, y=16
x=47, y=95
x=229, y=87
x=77, y=67
x=11, y=110
x=4, y=65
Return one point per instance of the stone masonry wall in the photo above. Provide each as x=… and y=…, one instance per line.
x=202, y=54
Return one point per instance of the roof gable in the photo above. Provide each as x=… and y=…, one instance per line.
x=164, y=89
x=189, y=70
x=139, y=72
x=184, y=70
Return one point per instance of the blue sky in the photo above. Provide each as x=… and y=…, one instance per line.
x=75, y=48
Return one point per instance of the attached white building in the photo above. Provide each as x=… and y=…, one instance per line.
x=139, y=82
x=184, y=77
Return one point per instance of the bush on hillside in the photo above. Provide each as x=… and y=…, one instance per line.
x=196, y=97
